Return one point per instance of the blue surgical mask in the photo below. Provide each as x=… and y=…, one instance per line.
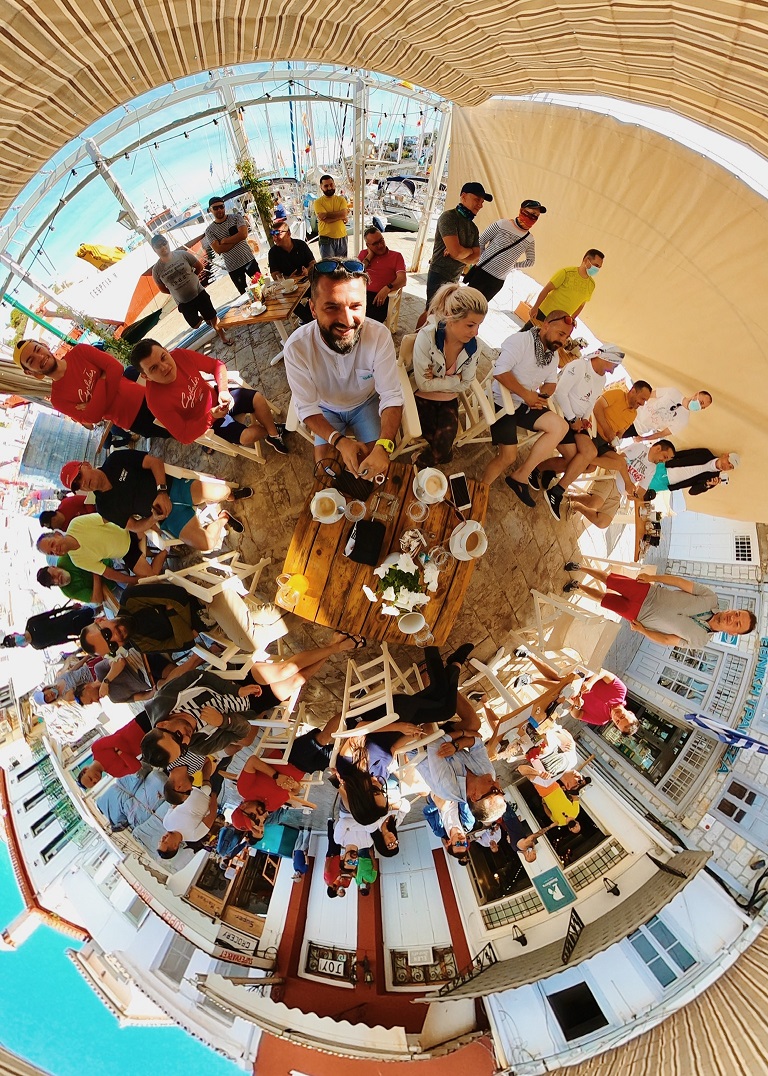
x=20, y=640
x=593, y=270
x=694, y=405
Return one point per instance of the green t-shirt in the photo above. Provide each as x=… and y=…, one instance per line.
x=570, y=291
x=80, y=588
x=366, y=871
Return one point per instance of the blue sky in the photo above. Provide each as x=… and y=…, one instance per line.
x=50, y=1016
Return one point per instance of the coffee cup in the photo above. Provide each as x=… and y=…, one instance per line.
x=468, y=541
x=430, y=485
x=410, y=623
x=289, y=286
x=327, y=506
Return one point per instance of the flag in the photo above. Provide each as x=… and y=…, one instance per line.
x=734, y=738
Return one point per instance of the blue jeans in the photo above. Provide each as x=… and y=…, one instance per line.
x=363, y=420
x=332, y=248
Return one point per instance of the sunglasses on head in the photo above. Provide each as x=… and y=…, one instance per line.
x=567, y=319
x=330, y=265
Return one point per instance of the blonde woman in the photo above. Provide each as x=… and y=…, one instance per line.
x=444, y=363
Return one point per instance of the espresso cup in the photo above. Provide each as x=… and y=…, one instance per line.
x=468, y=541
x=327, y=506
x=430, y=485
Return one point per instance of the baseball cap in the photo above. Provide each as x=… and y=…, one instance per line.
x=531, y=203
x=39, y=698
x=611, y=353
x=478, y=190
x=734, y=457
x=69, y=473
x=215, y=200
x=241, y=821
x=18, y=349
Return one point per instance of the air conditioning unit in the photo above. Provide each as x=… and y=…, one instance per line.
x=417, y=957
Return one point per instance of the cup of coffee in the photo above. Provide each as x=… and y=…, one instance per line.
x=327, y=506
x=289, y=286
x=430, y=485
x=468, y=541
x=410, y=623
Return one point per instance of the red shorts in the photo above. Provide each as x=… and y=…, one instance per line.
x=627, y=597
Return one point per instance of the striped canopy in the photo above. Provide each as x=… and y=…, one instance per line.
x=66, y=65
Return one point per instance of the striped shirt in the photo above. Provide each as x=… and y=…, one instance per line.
x=240, y=254
x=193, y=762
x=495, y=238
x=193, y=700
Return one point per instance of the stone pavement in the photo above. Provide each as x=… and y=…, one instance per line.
x=527, y=548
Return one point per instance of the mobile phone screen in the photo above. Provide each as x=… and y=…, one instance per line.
x=460, y=490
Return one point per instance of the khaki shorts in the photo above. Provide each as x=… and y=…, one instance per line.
x=611, y=497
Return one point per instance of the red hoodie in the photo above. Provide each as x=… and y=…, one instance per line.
x=118, y=753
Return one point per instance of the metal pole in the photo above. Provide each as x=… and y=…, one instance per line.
x=361, y=101
x=36, y=318
x=234, y=121
x=439, y=157
x=131, y=213
x=20, y=271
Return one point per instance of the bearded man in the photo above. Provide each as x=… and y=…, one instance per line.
x=343, y=373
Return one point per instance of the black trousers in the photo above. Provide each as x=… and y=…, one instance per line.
x=436, y=702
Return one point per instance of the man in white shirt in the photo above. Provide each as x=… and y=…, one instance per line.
x=667, y=412
x=527, y=366
x=637, y=464
x=579, y=387
x=343, y=374
x=190, y=821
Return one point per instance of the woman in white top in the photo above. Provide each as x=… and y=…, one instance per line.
x=444, y=363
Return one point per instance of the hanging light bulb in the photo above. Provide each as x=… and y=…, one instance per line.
x=186, y=135
x=156, y=146
x=126, y=156
x=215, y=123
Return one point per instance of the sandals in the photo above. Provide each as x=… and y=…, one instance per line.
x=359, y=640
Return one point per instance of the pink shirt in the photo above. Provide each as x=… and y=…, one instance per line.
x=383, y=268
x=599, y=700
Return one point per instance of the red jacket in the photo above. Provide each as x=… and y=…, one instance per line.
x=118, y=753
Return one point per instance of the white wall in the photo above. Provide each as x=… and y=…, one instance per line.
x=709, y=538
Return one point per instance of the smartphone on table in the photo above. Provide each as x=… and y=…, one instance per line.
x=460, y=491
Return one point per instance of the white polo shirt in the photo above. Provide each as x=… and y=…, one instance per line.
x=518, y=357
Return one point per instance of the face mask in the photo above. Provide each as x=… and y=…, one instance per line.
x=593, y=270
x=694, y=405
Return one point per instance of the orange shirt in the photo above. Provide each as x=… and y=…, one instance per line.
x=618, y=414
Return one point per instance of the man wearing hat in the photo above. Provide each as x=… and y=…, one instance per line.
x=698, y=469
x=505, y=245
x=580, y=385
x=89, y=385
x=457, y=241
x=227, y=235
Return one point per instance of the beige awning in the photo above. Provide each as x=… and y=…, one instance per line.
x=66, y=65
x=723, y=1032
x=536, y=964
x=682, y=289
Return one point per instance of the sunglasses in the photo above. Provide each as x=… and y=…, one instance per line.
x=330, y=265
x=567, y=319
x=494, y=790
x=219, y=205
x=75, y=483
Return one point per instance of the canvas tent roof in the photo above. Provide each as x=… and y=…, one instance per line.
x=67, y=65
x=682, y=287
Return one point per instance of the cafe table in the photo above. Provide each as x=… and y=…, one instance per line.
x=334, y=594
x=277, y=312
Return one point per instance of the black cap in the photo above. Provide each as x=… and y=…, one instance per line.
x=477, y=189
x=531, y=203
x=216, y=200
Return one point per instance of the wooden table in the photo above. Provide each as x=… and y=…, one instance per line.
x=277, y=313
x=335, y=594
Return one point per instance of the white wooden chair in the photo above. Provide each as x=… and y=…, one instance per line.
x=278, y=736
x=293, y=424
x=368, y=686
x=207, y=578
x=250, y=452
x=393, y=310
x=569, y=632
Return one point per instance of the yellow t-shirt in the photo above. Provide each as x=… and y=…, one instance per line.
x=561, y=809
x=570, y=291
x=618, y=414
x=99, y=541
x=336, y=203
